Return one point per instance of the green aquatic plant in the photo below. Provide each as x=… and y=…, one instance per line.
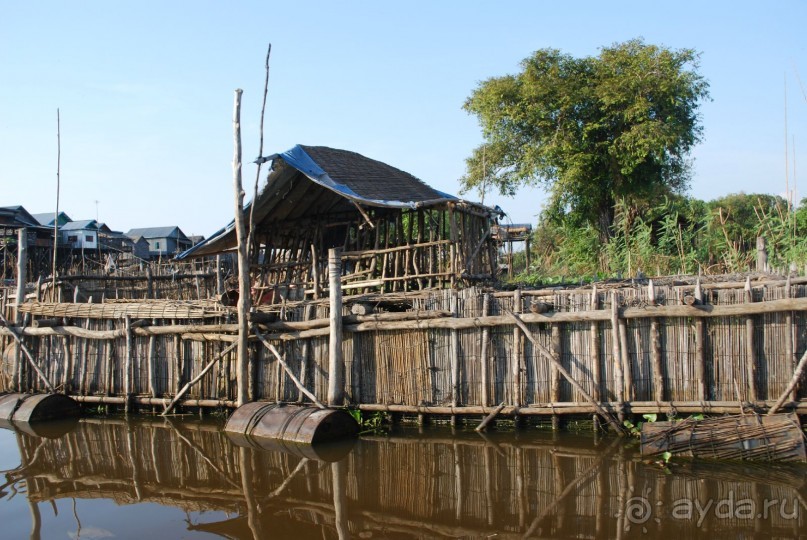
x=373, y=422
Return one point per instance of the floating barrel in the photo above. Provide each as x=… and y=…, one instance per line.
x=291, y=423
x=27, y=408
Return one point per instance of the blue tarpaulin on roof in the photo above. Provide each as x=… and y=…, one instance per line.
x=298, y=158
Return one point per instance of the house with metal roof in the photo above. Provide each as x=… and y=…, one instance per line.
x=162, y=241
x=396, y=232
x=39, y=239
x=47, y=218
x=81, y=234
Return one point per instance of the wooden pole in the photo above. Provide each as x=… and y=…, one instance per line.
x=315, y=271
x=23, y=349
x=489, y=418
x=750, y=347
x=596, y=373
x=58, y=187
x=518, y=352
x=789, y=345
x=454, y=354
x=762, y=255
x=289, y=372
x=244, y=300
x=340, y=507
x=484, y=360
x=127, y=371
x=219, y=277
x=336, y=391
x=655, y=348
x=619, y=381
x=700, y=349
x=549, y=356
x=308, y=311
x=198, y=378
x=627, y=371
x=22, y=276
x=554, y=390
x=793, y=382
x=152, y=371
x=149, y=283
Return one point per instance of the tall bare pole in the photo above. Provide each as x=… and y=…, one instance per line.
x=260, y=160
x=58, y=187
x=787, y=160
x=242, y=361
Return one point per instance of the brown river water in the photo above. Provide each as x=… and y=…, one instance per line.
x=184, y=478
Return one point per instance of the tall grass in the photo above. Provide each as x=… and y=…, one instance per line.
x=676, y=235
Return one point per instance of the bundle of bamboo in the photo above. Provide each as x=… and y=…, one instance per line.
x=739, y=437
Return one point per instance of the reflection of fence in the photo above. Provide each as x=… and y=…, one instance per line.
x=431, y=485
x=635, y=349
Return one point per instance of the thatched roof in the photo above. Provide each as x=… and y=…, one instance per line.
x=317, y=182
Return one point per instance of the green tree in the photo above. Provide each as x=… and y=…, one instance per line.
x=594, y=130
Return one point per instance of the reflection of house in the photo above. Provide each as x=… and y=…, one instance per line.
x=396, y=232
x=162, y=241
x=80, y=234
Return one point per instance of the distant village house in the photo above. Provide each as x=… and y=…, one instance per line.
x=159, y=242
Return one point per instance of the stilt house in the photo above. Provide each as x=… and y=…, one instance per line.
x=396, y=232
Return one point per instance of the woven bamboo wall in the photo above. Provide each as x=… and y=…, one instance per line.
x=417, y=365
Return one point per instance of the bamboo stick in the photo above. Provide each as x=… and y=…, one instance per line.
x=627, y=365
x=307, y=312
x=700, y=352
x=484, y=360
x=290, y=373
x=489, y=418
x=554, y=393
x=127, y=373
x=454, y=352
x=577, y=408
x=594, y=357
x=655, y=348
x=619, y=382
x=110, y=368
x=792, y=385
x=789, y=345
x=548, y=355
x=198, y=378
x=68, y=365
x=751, y=352
x=242, y=362
x=336, y=391
x=518, y=352
x=28, y=355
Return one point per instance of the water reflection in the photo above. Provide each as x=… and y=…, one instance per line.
x=104, y=478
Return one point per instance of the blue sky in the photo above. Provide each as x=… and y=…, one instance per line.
x=145, y=91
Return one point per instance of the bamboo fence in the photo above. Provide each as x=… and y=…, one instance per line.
x=634, y=348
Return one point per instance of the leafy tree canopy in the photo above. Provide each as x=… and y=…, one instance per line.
x=594, y=130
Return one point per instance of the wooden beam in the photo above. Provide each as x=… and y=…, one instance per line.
x=336, y=390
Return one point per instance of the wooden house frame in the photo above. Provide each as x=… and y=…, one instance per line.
x=396, y=233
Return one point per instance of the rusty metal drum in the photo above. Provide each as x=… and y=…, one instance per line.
x=292, y=423
x=28, y=408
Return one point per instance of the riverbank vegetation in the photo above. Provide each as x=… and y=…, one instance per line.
x=675, y=235
x=609, y=137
